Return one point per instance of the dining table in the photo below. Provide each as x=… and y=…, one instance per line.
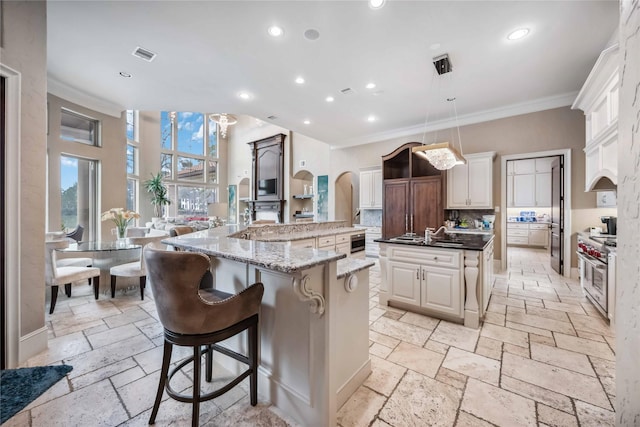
x=105, y=254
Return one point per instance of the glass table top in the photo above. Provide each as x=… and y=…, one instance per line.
x=99, y=246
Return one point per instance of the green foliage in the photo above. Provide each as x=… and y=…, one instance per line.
x=158, y=191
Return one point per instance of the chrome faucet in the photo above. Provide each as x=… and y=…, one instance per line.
x=429, y=233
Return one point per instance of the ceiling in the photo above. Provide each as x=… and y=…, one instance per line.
x=209, y=52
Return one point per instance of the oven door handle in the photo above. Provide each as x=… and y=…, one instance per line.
x=595, y=264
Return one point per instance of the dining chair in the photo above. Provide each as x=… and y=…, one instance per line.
x=135, y=268
x=69, y=261
x=56, y=276
x=76, y=234
x=196, y=316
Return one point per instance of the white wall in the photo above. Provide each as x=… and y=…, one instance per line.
x=628, y=269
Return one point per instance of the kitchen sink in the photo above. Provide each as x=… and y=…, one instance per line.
x=411, y=239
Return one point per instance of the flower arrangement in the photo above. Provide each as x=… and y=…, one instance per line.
x=121, y=218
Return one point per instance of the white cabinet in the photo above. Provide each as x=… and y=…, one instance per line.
x=487, y=277
x=371, y=248
x=303, y=243
x=427, y=278
x=441, y=290
x=529, y=182
x=528, y=234
x=598, y=98
x=470, y=186
x=371, y=189
x=405, y=282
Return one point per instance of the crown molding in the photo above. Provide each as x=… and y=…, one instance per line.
x=71, y=94
x=536, y=105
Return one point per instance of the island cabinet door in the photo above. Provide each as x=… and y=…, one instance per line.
x=441, y=290
x=405, y=282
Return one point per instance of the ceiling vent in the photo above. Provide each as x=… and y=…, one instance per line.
x=272, y=117
x=348, y=91
x=143, y=53
x=442, y=64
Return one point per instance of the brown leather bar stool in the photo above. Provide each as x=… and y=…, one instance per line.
x=198, y=318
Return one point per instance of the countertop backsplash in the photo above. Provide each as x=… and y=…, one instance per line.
x=371, y=217
x=467, y=214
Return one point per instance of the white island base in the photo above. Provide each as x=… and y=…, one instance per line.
x=314, y=336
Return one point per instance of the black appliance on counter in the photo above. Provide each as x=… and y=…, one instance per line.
x=610, y=221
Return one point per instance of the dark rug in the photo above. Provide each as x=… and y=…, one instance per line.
x=19, y=387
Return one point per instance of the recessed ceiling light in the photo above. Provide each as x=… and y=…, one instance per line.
x=376, y=4
x=300, y=80
x=370, y=85
x=244, y=95
x=518, y=34
x=306, y=122
x=371, y=118
x=125, y=74
x=329, y=98
x=275, y=31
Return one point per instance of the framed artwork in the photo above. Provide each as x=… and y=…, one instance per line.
x=233, y=205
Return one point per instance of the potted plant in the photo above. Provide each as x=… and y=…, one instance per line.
x=158, y=191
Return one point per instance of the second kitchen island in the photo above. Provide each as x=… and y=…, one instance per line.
x=446, y=278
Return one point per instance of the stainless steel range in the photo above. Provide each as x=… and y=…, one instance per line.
x=594, y=255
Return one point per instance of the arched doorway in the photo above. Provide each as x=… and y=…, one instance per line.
x=345, y=203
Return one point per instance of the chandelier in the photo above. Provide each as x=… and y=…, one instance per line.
x=223, y=120
x=442, y=155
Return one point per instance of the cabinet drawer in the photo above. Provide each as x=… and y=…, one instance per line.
x=343, y=238
x=303, y=243
x=326, y=241
x=538, y=226
x=424, y=256
x=511, y=233
x=516, y=226
x=517, y=240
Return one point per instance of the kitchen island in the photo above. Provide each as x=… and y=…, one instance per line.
x=448, y=278
x=314, y=323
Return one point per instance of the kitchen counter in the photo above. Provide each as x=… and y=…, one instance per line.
x=471, y=242
x=314, y=317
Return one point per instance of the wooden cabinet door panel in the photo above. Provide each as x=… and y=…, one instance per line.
x=396, y=209
x=480, y=182
x=426, y=203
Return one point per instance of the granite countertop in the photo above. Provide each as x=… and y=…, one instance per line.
x=272, y=255
x=348, y=266
x=301, y=235
x=471, y=242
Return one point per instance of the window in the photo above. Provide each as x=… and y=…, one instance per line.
x=189, y=160
x=78, y=200
x=133, y=177
x=75, y=127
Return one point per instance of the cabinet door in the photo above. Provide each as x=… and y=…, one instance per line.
x=524, y=190
x=458, y=187
x=440, y=290
x=427, y=207
x=366, y=185
x=487, y=276
x=480, y=182
x=376, y=190
x=521, y=167
x=543, y=164
x=405, y=282
x=543, y=189
x=539, y=238
x=510, y=191
x=396, y=208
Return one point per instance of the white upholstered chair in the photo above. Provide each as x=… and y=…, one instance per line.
x=135, y=268
x=56, y=276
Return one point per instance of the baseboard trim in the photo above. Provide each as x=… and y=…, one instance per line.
x=352, y=384
x=32, y=344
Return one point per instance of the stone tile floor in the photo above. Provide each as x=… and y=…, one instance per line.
x=543, y=357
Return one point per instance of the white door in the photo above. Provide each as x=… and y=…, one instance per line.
x=480, y=182
x=441, y=291
x=543, y=190
x=377, y=189
x=524, y=190
x=457, y=187
x=405, y=282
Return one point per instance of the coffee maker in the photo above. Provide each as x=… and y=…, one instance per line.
x=610, y=221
